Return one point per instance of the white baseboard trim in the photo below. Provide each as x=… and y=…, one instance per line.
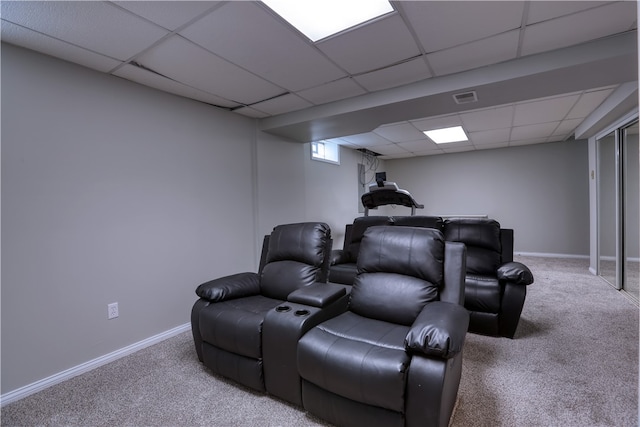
x=40, y=385
x=549, y=255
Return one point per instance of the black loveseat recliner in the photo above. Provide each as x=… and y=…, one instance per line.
x=495, y=287
x=343, y=261
x=246, y=326
x=395, y=357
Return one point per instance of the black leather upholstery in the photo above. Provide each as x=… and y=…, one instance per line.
x=395, y=357
x=228, y=320
x=495, y=287
x=343, y=261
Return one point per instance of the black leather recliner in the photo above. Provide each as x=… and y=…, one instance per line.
x=343, y=261
x=246, y=326
x=395, y=357
x=496, y=287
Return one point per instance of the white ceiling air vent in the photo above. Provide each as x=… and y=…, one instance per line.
x=465, y=97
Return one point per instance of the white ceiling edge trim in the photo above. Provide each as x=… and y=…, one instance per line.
x=621, y=101
x=600, y=49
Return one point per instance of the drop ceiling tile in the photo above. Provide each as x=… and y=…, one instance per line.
x=490, y=137
x=168, y=14
x=437, y=122
x=443, y=24
x=579, y=27
x=401, y=132
x=147, y=78
x=282, y=104
x=541, y=11
x=532, y=132
x=97, y=26
x=487, y=118
x=368, y=139
x=428, y=152
x=475, y=54
x=527, y=142
x=420, y=145
x=407, y=72
x=332, y=91
x=545, y=110
x=188, y=63
x=457, y=147
x=262, y=45
x=396, y=156
x=29, y=39
x=492, y=146
x=390, y=149
x=566, y=127
x=372, y=46
x=588, y=102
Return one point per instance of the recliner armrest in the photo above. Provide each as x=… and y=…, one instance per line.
x=317, y=294
x=339, y=256
x=439, y=330
x=230, y=287
x=515, y=272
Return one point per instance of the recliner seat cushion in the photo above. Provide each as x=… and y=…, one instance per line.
x=368, y=362
x=236, y=325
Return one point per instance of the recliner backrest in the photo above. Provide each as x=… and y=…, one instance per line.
x=297, y=256
x=360, y=225
x=419, y=221
x=400, y=269
x=482, y=239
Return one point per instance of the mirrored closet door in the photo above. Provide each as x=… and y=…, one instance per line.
x=618, y=212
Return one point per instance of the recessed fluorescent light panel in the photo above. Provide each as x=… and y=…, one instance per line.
x=446, y=135
x=318, y=19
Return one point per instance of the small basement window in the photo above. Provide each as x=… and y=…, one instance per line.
x=325, y=151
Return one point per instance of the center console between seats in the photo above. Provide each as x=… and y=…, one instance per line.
x=286, y=324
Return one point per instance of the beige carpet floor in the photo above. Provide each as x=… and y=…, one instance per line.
x=573, y=362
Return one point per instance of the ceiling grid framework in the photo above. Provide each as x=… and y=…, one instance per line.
x=377, y=85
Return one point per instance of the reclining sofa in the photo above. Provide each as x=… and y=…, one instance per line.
x=389, y=353
x=495, y=288
x=246, y=326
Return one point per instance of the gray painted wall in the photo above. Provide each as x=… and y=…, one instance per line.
x=110, y=192
x=292, y=187
x=114, y=192
x=541, y=191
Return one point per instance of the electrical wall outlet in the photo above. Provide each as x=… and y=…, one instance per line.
x=112, y=310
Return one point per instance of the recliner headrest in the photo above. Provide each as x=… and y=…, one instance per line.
x=400, y=269
x=481, y=232
x=482, y=239
x=303, y=242
x=412, y=251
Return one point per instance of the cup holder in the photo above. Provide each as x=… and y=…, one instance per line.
x=301, y=312
x=283, y=308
